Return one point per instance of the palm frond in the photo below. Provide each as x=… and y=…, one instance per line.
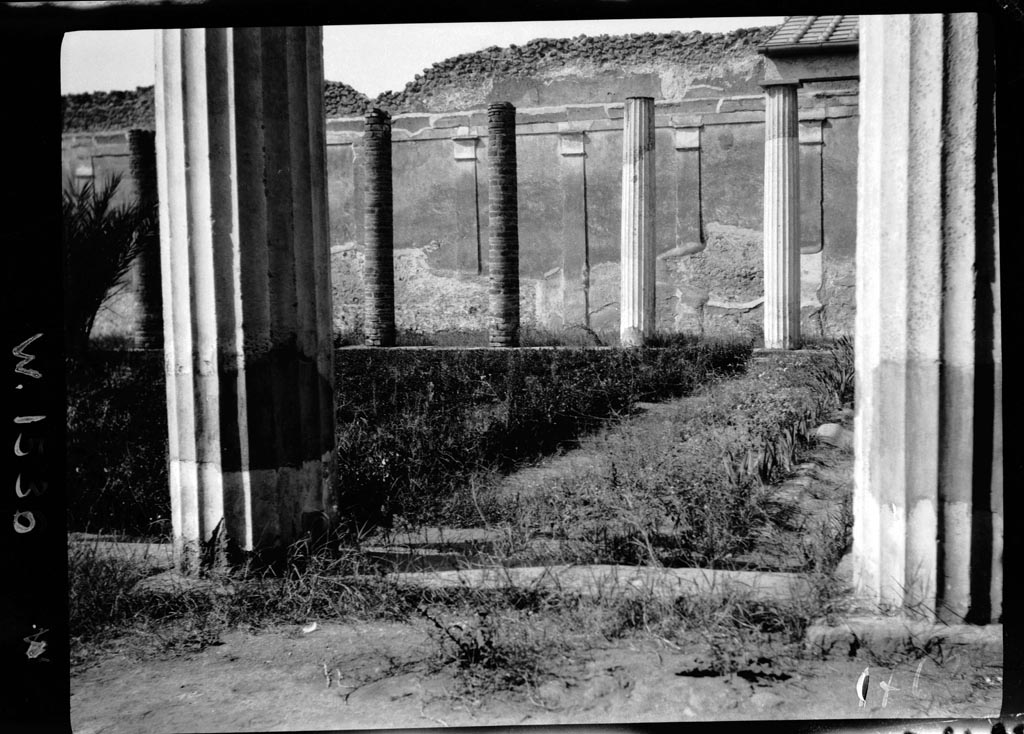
x=101, y=241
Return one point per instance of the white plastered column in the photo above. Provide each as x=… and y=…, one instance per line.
x=246, y=290
x=928, y=484
x=637, y=255
x=781, y=217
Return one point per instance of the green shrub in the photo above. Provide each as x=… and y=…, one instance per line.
x=411, y=438
x=117, y=443
x=413, y=426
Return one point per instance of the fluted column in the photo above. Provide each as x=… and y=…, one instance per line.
x=636, y=261
x=246, y=289
x=781, y=217
x=928, y=469
x=503, y=262
x=379, y=266
x=146, y=268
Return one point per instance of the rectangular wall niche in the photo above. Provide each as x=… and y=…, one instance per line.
x=468, y=258
x=575, y=269
x=689, y=211
x=811, y=191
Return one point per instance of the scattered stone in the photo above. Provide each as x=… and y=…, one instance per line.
x=835, y=435
x=844, y=569
x=551, y=692
x=886, y=636
x=766, y=700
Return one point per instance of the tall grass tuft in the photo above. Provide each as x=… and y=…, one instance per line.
x=834, y=377
x=98, y=589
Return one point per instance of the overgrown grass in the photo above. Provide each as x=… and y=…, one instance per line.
x=508, y=638
x=697, y=492
x=413, y=438
x=98, y=589
x=414, y=427
x=834, y=377
x=529, y=336
x=117, y=444
x=105, y=601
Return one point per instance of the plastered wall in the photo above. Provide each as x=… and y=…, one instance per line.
x=709, y=171
x=569, y=96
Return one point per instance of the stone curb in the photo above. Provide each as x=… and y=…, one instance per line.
x=599, y=580
x=885, y=636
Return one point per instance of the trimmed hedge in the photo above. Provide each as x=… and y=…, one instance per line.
x=414, y=425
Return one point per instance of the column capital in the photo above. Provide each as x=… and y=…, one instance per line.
x=766, y=83
x=378, y=116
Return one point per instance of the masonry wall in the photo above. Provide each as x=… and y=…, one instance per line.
x=709, y=215
x=569, y=95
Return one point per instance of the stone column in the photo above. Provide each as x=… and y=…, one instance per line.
x=246, y=288
x=637, y=255
x=928, y=481
x=379, y=265
x=146, y=268
x=781, y=217
x=503, y=263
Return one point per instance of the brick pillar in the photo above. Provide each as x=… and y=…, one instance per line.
x=379, y=265
x=637, y=255
x=503, y=263
x=928, y=488
x=146, y=268
x=781, y=217
x=246, y=287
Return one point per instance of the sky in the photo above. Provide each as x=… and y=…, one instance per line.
x=371, y=58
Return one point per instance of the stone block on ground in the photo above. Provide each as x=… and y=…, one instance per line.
x=885, y=637
x=835, y=435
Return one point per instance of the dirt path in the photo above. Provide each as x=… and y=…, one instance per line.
x=389, y=675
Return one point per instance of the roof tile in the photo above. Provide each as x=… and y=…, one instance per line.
x=813, y=31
